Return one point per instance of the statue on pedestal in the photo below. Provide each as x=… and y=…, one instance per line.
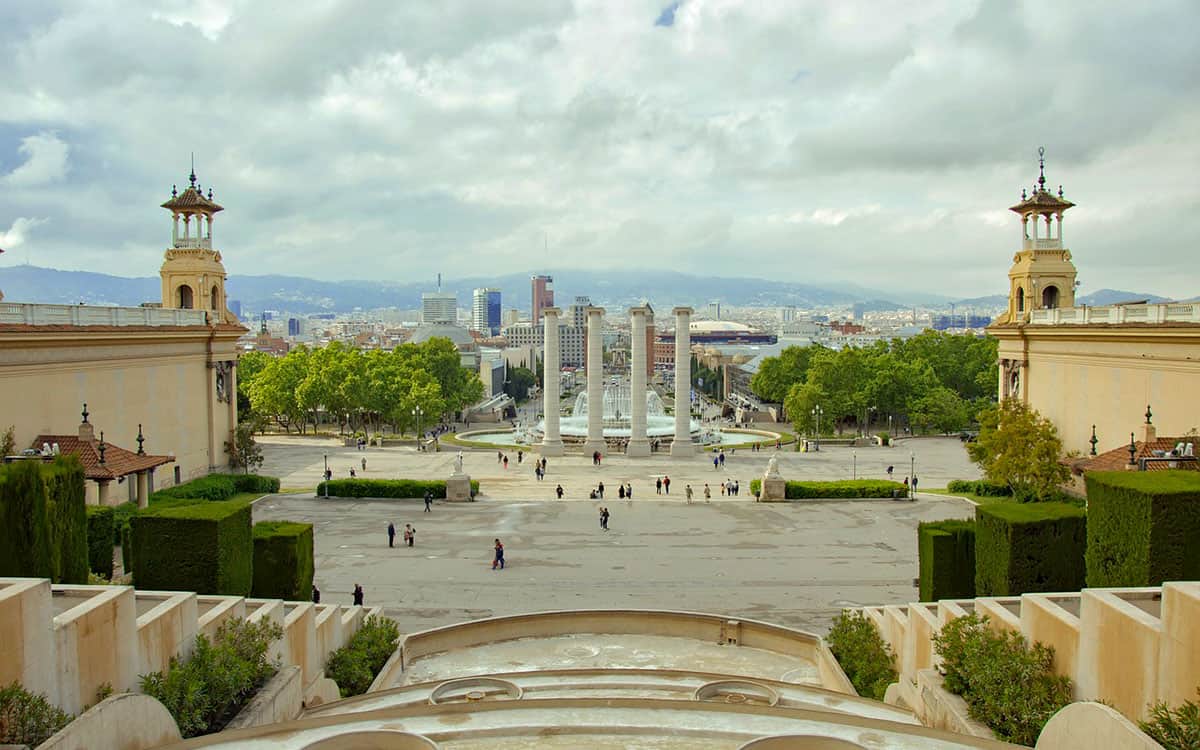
x=773, y=468
x=458, y=464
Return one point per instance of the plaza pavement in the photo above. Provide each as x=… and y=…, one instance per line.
x=794, y=564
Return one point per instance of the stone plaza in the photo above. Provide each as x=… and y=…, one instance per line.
x=796, y=564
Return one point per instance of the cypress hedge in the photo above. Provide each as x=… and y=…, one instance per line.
x=283, y=560
x=43, y=521
x=1143, y=527
x=100, y=520
x=980, y=488
x=847, y=488
x=206, y=548
x=387, y=488
x=946, y=550
x=1024, y=547
x=218, y=487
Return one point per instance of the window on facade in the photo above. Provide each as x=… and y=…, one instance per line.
x=1020, y=299
x=1050, y=297
x=184, y=297
x=216, y=297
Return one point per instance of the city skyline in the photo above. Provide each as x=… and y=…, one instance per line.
x=820, y=144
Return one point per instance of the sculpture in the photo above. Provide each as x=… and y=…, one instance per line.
x=773, y=468
x=458, y=463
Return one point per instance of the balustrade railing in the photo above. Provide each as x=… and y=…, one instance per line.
x=1157, y=313
x=16, y=313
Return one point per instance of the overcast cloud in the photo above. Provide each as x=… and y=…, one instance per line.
x=872, y=142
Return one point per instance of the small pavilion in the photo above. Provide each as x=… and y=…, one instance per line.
x=103, y=462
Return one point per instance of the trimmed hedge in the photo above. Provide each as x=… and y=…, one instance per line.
x=387, y=488
x=100, y=539
x=847, y=488
x=1143, y=527
x=1027, y=547
x=43, y=521
x=283, y=560
x=981, y=488
x=354, y=666
x=206, y=548
x=216, y=487
x=946, y=550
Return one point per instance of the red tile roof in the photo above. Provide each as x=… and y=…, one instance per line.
x=118, y=462
x=1118, y=458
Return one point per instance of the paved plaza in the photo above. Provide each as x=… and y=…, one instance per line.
x=794, y=564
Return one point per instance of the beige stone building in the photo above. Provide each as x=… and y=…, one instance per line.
x=163, y=371
x=1091, y=370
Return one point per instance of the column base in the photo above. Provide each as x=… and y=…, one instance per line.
x=682, y=447
x=592, y=446
x=546, y=448
x=638, y=448
x=458, y=489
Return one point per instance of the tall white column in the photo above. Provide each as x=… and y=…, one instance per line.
x=682, y=443
x=552, y=444
x=595, y=380
x=638, y=444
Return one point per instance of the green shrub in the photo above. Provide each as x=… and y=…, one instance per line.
x=387, y=488
x=1007, y=685
x=283, y=560
x=43, y=520
x=1020, y=548
x=846, y=488
x=100, y=540
x=862, y=654
x=127, y=548
x=28, y=718
x=980, y=487
x=946, y=550
x=1142, y=527
x=206, y=548
x=1174, y=729
x=121, y=515
x=354, y=666
x=216, y=487
x=204, y=691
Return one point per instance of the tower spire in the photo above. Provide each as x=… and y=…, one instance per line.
x=192, y=176
x=1041, y=167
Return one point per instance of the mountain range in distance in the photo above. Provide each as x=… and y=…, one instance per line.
x=616, y=289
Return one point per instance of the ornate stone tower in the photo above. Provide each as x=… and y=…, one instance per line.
x=192, y=274
x=1042, y=275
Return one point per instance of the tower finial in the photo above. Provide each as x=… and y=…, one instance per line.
x=192, y=176
x=1042, y=167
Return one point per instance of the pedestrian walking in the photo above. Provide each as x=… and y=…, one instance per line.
x=716, y=463
x=604, y=518
x=316, y=594
x=707, y=492
x=890, y=469
x=737, y=487
x=620, y=492
x=364, y=465
x=391, y=534
x=914, y=484
x=506, y=463
x=658, y=486
x=428, y=501
x=629, y=490
x=352, y=474
x=410, y=534
x=666, y=485
x=687, y=492
x=600, y=490
x=498, y=559
x=722, y=489
x=520, y=456
x=499, y=456
x=358, y=595
x=559, y=491
x=722, y=457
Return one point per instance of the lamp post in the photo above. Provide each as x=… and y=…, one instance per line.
x=817, y=412
x=854, y=465
x=870, y=414
x=325, y=476
x=417, y=413
x=912, y=475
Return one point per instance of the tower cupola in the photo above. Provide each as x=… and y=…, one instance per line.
x=192, y=274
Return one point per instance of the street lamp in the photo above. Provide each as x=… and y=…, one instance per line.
x=326, y=476
x=817, y=412
x=417, y=413
x=870, y=413
x=912, y=475
x=854, y=465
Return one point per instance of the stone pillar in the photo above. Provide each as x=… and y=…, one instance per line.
x=638, y=444
x=595, y=380
x=143, y=490
x=682, y=443
x=552, y=444
x=102, y=492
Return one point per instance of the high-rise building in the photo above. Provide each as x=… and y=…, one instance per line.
x=293, y=327
x=439, y=307
x=485, y=311
x=542, y=292
x=714, y=309
x=787, y=313
x=511, y=317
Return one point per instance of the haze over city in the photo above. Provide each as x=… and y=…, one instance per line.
x=804, y=141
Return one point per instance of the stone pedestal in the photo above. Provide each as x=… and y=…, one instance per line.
x=773, y=489
x=458, y=488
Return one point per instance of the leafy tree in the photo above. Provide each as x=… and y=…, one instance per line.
x=244, y=452
x=777, y=375
x=520, y=381
x=940, y=409
x=274, y=390
x=8, y=441
x=1019, y=447
x=800, y=401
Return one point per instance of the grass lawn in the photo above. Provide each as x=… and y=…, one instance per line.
x=977, y=499
x=174, y=502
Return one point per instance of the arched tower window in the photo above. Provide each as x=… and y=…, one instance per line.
x=216, y=298
x=1020, y=299
x=184, y=297
x=1050, y=297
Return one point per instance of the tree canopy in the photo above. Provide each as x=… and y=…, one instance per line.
x=413, y=383
x=933, y=381
x=1019, y=447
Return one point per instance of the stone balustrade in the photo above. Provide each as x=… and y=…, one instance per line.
x=15, y=313
x=98, y=635
x=1170, y=312
x=1130, y=647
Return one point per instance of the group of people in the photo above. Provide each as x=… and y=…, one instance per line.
x=410, y=533
x=539, y=468
x=596, y=458
x=662, y=485
x=624, y=491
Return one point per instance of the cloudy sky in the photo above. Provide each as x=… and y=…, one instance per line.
x=875, y=142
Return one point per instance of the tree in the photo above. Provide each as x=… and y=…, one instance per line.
x=1019, y=447
x=8, y=442
x=799, y=403
x=520, y=380
x=777, y=375
x=274, y=389
x=940, y=409
x=244, y=451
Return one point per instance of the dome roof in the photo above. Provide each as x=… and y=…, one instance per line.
x=459, y=336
